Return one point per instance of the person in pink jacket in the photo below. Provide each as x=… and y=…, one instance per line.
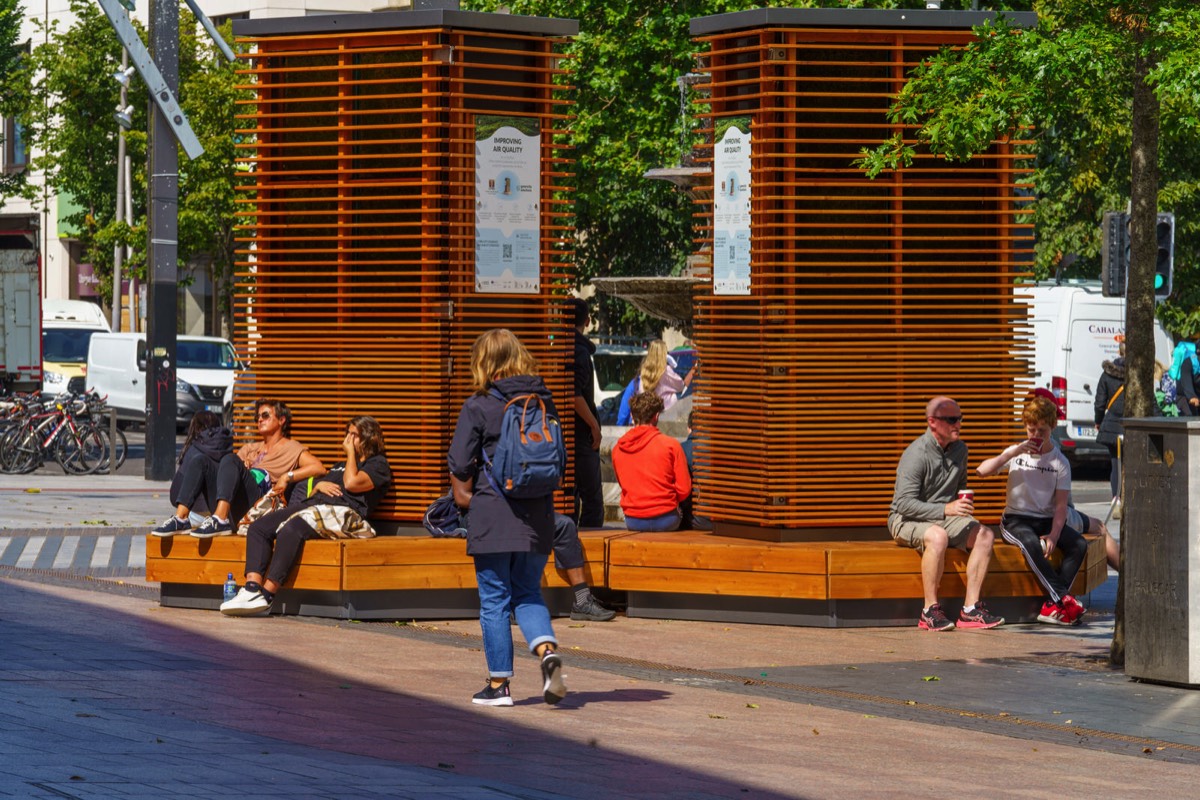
x=652, y=470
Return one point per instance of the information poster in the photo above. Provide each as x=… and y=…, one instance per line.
x=507, y=205
x=731, y=207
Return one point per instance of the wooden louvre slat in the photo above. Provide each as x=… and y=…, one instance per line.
x=356, y=275
x=868, y=297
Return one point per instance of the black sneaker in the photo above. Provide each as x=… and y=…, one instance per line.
x=493, y=696
x=934, y=620
x=212, y=527
x=979, y=618
x=553, y=688
x=171, y=526
x=591, y=609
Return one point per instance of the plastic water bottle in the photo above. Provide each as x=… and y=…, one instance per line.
x=231, y=588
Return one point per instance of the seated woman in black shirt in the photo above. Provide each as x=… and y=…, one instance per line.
x=337, y=509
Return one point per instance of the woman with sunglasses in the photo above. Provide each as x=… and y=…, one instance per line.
x=235, y=482
x=338, y=508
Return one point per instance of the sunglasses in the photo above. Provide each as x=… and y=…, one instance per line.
x=265, y=415
x=950, y=420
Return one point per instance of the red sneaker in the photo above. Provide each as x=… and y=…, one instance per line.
x=1073, y=608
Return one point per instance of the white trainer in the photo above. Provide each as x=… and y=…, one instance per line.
x=246, y=603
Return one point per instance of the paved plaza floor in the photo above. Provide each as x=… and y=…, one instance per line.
x=103, y=693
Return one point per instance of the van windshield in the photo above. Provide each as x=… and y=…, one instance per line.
x=66, y=345
x=204, y=355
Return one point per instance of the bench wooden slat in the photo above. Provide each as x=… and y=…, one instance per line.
x=717, y=582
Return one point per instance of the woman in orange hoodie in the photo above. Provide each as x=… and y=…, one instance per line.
x=651, y=469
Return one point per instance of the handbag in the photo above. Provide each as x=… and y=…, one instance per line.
x=265, y=505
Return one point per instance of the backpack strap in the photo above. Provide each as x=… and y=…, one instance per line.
x=1113, y=399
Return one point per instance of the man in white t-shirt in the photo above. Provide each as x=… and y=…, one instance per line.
x=1035, y=515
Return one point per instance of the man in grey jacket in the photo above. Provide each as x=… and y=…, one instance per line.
x=928, y=514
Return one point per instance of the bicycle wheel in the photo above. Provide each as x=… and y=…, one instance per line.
x=119, y=450
x=80, y=451
x=24, y=454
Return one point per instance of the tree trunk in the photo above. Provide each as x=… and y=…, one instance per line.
x=1139, y=293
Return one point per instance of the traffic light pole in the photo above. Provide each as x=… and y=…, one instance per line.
x=163, y=271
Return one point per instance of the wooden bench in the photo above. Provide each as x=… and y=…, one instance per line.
x=680, y=575
x=700, y=575
x=387, y=577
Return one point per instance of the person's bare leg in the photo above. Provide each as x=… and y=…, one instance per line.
x=222, y=509
x=933, y=563
x=980, y=543
x=575, y=576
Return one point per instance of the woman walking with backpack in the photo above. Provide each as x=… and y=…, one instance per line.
x=509, y=537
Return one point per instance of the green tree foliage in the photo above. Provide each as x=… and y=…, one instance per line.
x=72, y=122
x=1067, y=86
x=14, y=83
x=208, y=207
x=72, y=126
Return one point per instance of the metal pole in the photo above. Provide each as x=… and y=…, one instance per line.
x=163, y=221
x=119, y=250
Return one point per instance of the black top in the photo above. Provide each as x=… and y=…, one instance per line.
x=377, y=469
x=1109, y=405
x=585, y=377
x=495, y=523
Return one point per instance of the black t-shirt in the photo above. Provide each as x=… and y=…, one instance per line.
x=376, y=468
x=585, y=374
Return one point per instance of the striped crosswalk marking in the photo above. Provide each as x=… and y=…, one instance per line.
x=32, y=548
x=137, y=551
x=124, y=553
x=66, y=553
x=103, y=552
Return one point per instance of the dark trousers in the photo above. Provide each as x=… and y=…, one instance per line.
x=589, y=490
x=568, y=550
x=201, y=477
x=1114, y=473
x=1026, y=533
x=273, y=546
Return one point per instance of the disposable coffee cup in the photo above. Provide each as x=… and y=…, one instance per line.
x=1036, y=441
x=966, y=494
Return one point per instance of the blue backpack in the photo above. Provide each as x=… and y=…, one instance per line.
x=443, y=519
x=530, y=458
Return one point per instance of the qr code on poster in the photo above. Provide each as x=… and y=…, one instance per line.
x=507, y=251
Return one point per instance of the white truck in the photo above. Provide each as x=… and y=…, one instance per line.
x=20, y=299
x=1075, y=330
x=67, y=327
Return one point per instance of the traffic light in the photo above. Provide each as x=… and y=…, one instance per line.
x=1114, y=253
x=1164, y=263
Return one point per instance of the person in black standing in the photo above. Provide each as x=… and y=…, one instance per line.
x=1110, y=411
x=589, y=492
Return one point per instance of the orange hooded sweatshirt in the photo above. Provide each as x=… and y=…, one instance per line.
x=652, y=471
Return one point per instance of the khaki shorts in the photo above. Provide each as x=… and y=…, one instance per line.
x=911, y=533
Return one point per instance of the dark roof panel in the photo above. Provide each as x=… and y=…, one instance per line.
x=850, y=18
x=403, y=20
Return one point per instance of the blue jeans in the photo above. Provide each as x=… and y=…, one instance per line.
x=665, y=522
x=511, y=581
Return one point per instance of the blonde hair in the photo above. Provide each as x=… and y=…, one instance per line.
x=497, y=354
x=654, y=365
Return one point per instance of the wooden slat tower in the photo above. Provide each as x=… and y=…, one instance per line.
x=868, y=297
x=356, y=289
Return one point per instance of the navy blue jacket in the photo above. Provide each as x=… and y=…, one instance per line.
x=496, y=524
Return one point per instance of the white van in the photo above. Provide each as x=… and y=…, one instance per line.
x=67, y=327
x=1075, y=330
x=205, y=367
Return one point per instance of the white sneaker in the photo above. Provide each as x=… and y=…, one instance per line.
x=246, y=603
